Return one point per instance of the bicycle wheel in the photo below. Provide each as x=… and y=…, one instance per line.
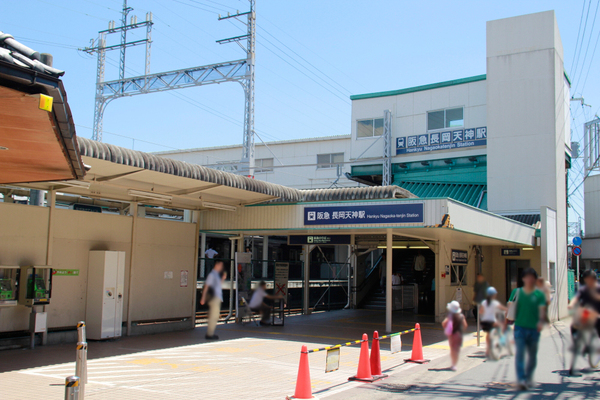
x=594, y=350
x=509, y=336
x=495, y=345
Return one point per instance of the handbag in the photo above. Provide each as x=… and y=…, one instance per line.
x=449, y=327
x=511, y=313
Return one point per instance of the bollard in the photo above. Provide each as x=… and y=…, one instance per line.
x=72, y=388
x=81, y=367
x=81, y=331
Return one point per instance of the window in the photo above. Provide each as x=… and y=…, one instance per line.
x=458, y=273
x=329, y=160
x=450, y=118
x=369, y=127
x=263, y=165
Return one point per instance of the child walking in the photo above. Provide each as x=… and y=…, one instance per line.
x=454, y=325
x=488, y=312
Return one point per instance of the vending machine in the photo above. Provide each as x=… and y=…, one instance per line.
x=9, y=276
x=104, y=309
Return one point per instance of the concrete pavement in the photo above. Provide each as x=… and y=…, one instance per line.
x=252, y=362
x=481, y=379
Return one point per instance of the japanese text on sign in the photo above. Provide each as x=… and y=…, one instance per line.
x=364, y=214
x=442, y=140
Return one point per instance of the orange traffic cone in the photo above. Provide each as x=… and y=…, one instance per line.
x=417, y=347
x=303, y=387
x=364, y=365
x=376, y=358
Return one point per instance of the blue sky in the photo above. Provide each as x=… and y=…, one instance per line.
x=311, y=55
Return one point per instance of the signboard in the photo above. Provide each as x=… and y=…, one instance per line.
x=87, y=207
x=577, y=241
x=65, y=272
x=402, y=213
x=448, y=140
x=282, y=272
x=396, y=344
x=184, y=278
x=577, y=251
x=511, y=252
x=460, y=257
x=319, y=239
x=332, y=363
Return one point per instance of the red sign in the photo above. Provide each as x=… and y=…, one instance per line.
x=576, y=251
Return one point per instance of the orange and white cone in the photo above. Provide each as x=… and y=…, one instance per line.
x=417, y=348
x=376, y=358
x=303, y=386
x=364, y=365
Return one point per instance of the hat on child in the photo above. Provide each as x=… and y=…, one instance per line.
x=453, y=307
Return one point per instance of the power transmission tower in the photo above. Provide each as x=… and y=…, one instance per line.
x=386, y=178
x=241, y=71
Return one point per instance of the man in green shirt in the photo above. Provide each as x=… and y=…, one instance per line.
x=530, y=315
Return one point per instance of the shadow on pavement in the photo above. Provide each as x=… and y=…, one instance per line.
x=506, y=390
x=326, y=328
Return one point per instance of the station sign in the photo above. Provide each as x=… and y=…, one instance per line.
x=511, y=252
x=402, y=213
x=460, y=257
x=447, y=140
x=319, y=239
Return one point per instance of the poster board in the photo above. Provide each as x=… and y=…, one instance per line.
x=280, y=286
x=332, y=362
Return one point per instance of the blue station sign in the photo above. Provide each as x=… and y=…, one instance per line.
x=407, y=213
x=447, y=140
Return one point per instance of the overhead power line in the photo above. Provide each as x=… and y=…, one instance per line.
x=582, y=38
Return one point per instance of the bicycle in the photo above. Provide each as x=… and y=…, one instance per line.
x=502, y=340
x=585, y=339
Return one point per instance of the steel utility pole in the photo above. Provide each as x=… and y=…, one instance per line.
x=241, y=71
x=247, y=162
x=387, y=149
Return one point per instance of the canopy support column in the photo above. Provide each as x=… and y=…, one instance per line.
x=388, y=280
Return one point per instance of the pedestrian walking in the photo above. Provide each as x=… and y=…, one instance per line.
x=479, y=292
x=212, y=294
x=488, y=312
x=454, y=326
x=527, y=308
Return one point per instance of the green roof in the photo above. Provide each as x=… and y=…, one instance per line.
x=567, y=78
x=471, y=194
x=421, y=88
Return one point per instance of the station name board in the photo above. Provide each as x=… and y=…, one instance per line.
x=319, y=239
x=448, y=140
x=365, y=214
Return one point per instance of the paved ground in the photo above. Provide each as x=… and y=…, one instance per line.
x=252, y=362
x=249, y=362
x=481, y=379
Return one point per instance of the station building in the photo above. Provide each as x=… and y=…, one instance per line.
x=478, y=186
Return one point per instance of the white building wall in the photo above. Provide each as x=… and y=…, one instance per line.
x=294, y=161
x=591, y=189
x=526, y=146
x=409, y=112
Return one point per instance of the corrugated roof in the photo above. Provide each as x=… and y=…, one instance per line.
x=152, y=162
x=528, y=219
x=17, y=53
x=355, y=193
x=468, y=193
